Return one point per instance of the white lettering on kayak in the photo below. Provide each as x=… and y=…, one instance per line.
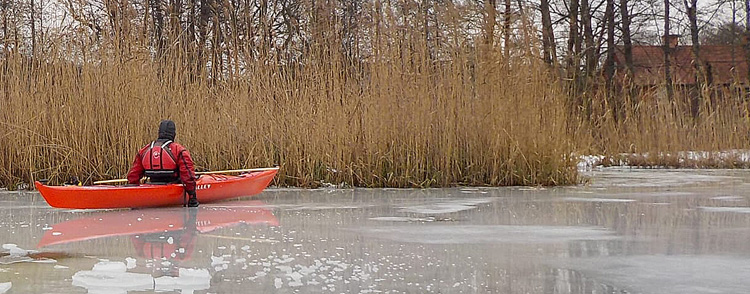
x=203, y=187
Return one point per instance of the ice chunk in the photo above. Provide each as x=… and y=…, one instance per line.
x=131, y=262
x=217, y=260
x=112, y=282
x=15, y=251
x=277, y=283
x=110, y=266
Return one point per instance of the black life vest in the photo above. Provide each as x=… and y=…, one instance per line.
x=159, y=163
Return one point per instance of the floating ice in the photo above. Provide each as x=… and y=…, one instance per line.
x=112, y=282
x=446, y=206
x=217, y=260
x=286, y=269
x=130, y=262
x=487, y=234
x=110, y=266
x=277, y=283
x=4, y=287
x=15, y=251
x=727, y=198
x=725, y=209
x=401, y=219
x=578, y=199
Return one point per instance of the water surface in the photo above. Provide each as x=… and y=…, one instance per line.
x=626, y=231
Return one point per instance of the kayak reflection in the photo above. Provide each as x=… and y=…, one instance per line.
x=165, y=236
x=163, y=222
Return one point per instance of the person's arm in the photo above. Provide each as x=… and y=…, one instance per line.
x=187, y=170
x=136, y=170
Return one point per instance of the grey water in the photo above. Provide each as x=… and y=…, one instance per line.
x=624, y=231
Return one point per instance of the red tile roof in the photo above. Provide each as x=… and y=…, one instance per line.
x=727, y=64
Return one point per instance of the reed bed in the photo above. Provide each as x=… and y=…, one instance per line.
x=408, y=112
x=403, y=123
x=400, y=121
x=654, y=132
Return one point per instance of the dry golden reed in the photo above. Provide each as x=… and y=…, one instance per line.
x=401, y=120
x=654, y=132
x=410, y=113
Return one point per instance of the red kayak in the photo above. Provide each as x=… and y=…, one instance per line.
x=210, y=187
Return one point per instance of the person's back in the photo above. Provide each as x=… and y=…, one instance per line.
x=165, y=161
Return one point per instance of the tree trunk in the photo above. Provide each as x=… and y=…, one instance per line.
x=204, y=16
x=626, y=38
x=548, y=37
x=506, y=28
x=175, y=25
x=700, y=74
x=33, y=28
x=490, y=7
x=426, y=25
x=4, y=37
x=588, y=38
x=667, y=62
x=574, y=41
x=609, y=63
x=158, y=20
x=747, y=37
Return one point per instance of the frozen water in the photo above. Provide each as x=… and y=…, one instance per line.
x=678, y=274
x=625, y=231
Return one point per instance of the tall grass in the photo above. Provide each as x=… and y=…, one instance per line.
x=410, y=111
x=399, y=120
x=652, y=131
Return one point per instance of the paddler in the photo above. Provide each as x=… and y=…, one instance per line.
x=165, y=161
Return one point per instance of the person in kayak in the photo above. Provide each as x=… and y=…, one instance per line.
x=165, y=161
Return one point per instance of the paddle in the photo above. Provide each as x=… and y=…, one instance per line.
x=199, y=173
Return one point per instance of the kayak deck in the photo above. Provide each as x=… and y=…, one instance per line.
x=209, y=188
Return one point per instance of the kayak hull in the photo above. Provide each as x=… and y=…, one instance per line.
x=209, y=188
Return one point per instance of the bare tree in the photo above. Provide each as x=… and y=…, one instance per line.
x=506, y=26
x=548, y=37
x=609, y=63
x=626, y=37
x=700, y=75
x=574, y=43
x=747, y=36
x=589, y=51
x=667, y=54
x=490, y=7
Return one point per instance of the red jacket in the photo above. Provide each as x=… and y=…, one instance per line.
x=184, y=163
